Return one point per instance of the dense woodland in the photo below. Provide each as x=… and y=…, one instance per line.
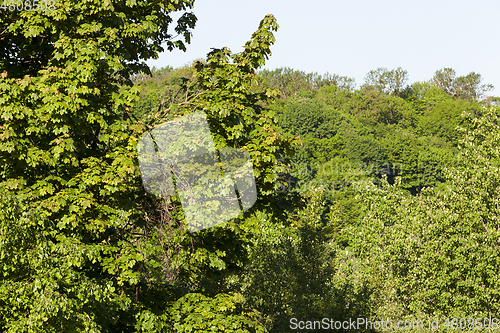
x=377, y=201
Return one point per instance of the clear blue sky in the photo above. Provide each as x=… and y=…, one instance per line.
x=350, y=38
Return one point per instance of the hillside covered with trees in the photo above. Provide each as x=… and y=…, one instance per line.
x=376, y=202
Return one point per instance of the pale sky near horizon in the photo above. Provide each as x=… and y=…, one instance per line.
x=350, y=38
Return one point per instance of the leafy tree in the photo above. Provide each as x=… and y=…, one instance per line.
x=327, y=80
x=286, y=80
x=225, y=87
x=199, y=313
x=305, y=116
x=462, y=87
x=442, y=118
x=153, y=90
x=289, y=81
x=236, y=106
x=296, y=272
x=368, y=104
x=78, y=250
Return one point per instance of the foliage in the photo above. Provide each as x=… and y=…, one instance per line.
x=224, y=313
x=67, y=162
x=364, y=208
x=438, y=250
x=80, y=248
x=224, y=86
x=462, y=87
x=298, y=273
x=368, y=104
x=234, y=105
x=391, y=82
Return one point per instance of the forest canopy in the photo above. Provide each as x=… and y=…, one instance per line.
x=377, y=202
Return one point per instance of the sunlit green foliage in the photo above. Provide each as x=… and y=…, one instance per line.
x=83, y=247
x=437, y=251
x=371, y=202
